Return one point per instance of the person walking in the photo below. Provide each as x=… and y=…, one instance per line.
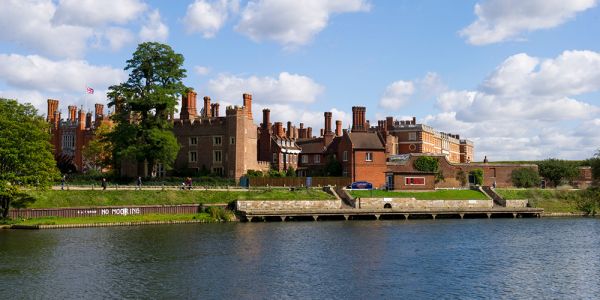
x=189, y=183
x=63, y=180
x=104, y=183
x=139, y=183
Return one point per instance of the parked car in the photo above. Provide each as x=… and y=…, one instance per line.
x=361, y=185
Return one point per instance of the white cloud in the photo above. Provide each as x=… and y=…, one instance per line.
x=500, y=20
x=118, y=37
x=202, y=70
x=154, y=29
x=526, y=108
x=207, y=17
x=29, y=24
x=98, y=12
x=399, y=93
x=37, y=73
x=290, y=22
x=282, y=89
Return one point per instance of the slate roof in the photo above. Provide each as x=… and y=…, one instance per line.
x=312, y=145
x=366, y=141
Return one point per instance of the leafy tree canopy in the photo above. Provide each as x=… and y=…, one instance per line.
x=426, y=164
x=525, y=178
x=477, y=176
x=25, y=153
x=556, y=170
x=143, y=104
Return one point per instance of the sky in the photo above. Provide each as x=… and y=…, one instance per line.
x=520, y=78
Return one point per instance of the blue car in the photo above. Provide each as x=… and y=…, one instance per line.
x=361, y=185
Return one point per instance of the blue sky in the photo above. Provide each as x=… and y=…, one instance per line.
x=519, y=78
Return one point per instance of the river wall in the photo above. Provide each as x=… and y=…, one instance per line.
x=245, y=205
x=412, y=203
x=105, y=211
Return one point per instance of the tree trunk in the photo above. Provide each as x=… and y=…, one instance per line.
x=4, y=205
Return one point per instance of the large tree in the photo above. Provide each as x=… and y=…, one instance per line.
x=97, y=155
x=556, y=171
x=143, y=104
x=26, y=159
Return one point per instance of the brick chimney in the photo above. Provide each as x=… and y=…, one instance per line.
x=81, y=119
x=289, y=131
x=309, y=132
x=338, y=127
x=358, y=118
x=56, y=119
x=207, y=108
x=278, y=130
x=214, y=110
x=266, y=123
x=248, y=104
x=52, y=108
x=188, y=106
x=302, y=131
x=389, y=123
x=321, y=132
x=72, y=113
x=414, y=120
x=327, y=127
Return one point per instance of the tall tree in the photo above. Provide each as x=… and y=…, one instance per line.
x=25, y=154
x=557, y=171
x=97, y=155
x=143, y=104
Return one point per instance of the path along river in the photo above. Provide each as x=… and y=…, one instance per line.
x=477, y=258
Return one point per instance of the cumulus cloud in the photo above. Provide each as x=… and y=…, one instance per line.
x=500, y=20
x=37, y=73
x=117, y=37
x=292, y=23
x=154, y=29
x=527, y=108
x=284, y=88
x=207, y=17
x=97, y=12
x=399, y=93
x=202, y=70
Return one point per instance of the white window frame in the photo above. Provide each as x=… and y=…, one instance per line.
x=368, y=156
x=193, y=156
x=218, y=159
x=193, y=141
x=317, y=158
x=345, y=155
x=412, y=136
x=217, y=140
x=406, y=181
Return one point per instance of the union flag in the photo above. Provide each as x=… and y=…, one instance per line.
x=90, y=90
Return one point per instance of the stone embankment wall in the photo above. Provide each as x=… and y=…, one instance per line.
x=105, y=211
x=244, y=205
x=517, y=203
x=412, y=203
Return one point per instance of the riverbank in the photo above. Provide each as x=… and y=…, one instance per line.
x=92, y=198
x=552, y=201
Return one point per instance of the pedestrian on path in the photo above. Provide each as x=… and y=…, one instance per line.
x=63, y=180
x=104, y=184
x=139, y=183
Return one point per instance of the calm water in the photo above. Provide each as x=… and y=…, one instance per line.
x=498, y=258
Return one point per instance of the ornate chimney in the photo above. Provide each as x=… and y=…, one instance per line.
x=248, y=104
x=338, y=127
x=188, y=106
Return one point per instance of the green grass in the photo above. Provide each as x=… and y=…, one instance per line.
x=79, y=198
x=432, y=195
x=563, y=201
x=205, y=217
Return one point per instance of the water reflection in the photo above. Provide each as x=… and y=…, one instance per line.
x=522, y=258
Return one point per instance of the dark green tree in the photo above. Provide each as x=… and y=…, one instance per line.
x=290, y=172
x=333, y=167
x=557, y=171
x=525, y=178
x=143, y=104
x=26, y=159
x=426, y=164
x=477, y=176
x=595, y=164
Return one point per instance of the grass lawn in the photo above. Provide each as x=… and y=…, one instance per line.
x=76, y=198
x=550, y=200
x=114, y=219
x=432, y=195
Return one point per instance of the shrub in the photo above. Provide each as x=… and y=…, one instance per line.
x=219, y=214
x=254, y=173
x=426, y=164
x=525, y=178
x=590, y=201
x=477, y=176
x=290, y=172
x=461, y=177
x=557, y=171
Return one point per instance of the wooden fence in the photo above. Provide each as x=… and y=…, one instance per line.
x=299, y=181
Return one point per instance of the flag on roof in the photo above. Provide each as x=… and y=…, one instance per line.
x=90, y=90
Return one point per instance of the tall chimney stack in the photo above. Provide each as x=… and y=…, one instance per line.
x=248, y=104
x=327, y=115
x=88, y=120
x=266, y=123
x=52, y=108
x=289, y=129
x=338, y=127
x=214, y=110
x=279, y=129
x=321, y=132
x=188, y=106
x=358, y=118
x=309, y=132
x=207, y=107
x=72, y=113
x=81, y=119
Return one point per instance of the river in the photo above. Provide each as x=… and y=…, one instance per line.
x=473, y=258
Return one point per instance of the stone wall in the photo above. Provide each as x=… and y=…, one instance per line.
x=245, y=205
x=412, y=203
x=517, y=203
